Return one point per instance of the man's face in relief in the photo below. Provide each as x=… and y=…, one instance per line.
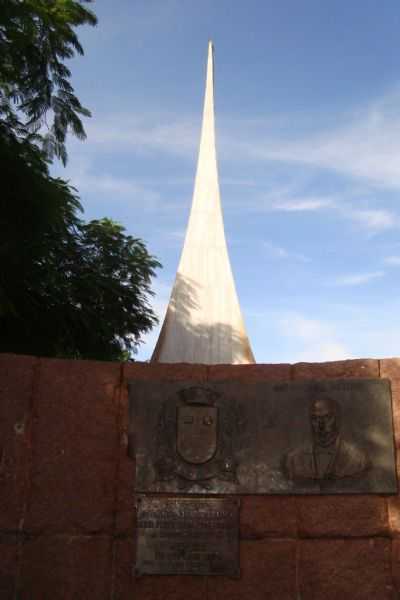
x=324, y=422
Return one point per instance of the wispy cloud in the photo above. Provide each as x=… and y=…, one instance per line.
x=176, y=234
x=291, y=198
x=392, y=260
x=374, y=220
x=301, y=204
x=365, y=145
x=106, y=189
x=282, y=253
x=317, y=339
x=109, y=184
x=237, y=182
x=152, y=132
x=357, y=279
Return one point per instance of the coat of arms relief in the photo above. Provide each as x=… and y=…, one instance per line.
x=197, y=438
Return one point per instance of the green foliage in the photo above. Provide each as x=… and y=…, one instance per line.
x=67, y=288
x=36, y=37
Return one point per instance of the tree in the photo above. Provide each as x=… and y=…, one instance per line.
x=67, y=288
x=36, y=37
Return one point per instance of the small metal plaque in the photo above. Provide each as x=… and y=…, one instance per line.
x=310, y=437
x=187, y=536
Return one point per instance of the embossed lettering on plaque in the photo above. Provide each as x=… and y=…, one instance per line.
x=187, y=536
x=309, y=437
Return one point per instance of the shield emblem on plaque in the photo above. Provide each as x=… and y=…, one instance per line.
x=197, y=433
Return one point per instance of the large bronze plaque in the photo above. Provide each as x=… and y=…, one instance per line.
x=187, y=536
x=328, y=436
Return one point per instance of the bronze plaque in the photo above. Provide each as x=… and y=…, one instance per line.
x=310, y=437
x=187, y=536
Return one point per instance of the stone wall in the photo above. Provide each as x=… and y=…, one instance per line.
x=66, y=496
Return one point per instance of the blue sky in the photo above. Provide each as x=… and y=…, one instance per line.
x=308, y=139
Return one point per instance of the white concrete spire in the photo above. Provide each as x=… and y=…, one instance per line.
x=203, y=323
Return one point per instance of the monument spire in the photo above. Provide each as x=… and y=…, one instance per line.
x=203, y=322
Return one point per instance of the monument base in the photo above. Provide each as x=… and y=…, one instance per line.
x=67, y=505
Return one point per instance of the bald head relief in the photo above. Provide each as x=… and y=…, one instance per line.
x=325, y=421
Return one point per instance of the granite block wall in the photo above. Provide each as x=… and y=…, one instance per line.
x=67, y=491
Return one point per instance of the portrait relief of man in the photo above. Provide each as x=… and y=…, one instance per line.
x=327, y=455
